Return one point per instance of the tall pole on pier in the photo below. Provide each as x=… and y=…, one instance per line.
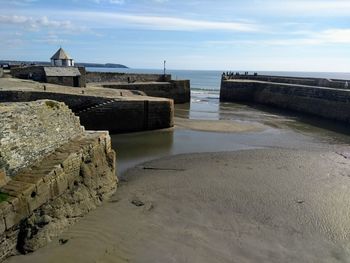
x=164, y=67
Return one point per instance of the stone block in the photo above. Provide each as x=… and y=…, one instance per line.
x=2, y=224
x=105, y=140
x=41, y=196
x=10, y=217
x=43, y=189
x=32, y=177
x=17, y=189
x=20, y=207
x=3, y=178
x=111, y=159
x=58, y=185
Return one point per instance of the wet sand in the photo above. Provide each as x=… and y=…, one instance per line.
x=277, y=194
x=248, y=206
x=219, y=125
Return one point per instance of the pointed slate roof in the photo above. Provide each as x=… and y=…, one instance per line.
x=61, y=54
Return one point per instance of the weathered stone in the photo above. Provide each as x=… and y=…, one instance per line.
x=59, y=185
x=2, y=224
x=18, y=188
x=9, y=215
x=54, y=191
x=29, y=131
x=3, y=178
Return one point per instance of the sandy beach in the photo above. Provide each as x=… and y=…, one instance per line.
x=248, y=206
x=220, y=191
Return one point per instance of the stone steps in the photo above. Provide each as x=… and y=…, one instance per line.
x=95, y=107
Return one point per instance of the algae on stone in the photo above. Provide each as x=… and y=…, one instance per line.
x=3, y=197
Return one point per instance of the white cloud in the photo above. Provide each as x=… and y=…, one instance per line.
x=118, y=2
x=18, y=2
x=39, y=23
x=337, y=36
x=326, y=37
x=307, y=7
x=161, y=22
x=52, y=39
x=121, y=2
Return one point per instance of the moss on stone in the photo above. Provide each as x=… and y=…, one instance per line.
x=3, y=197
x=52, y=104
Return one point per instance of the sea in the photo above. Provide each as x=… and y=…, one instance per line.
x=284, y=129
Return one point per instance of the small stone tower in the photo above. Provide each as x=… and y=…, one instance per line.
x=62, y=59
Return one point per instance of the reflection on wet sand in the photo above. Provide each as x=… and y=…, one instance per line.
x=238, y=127
x=140, y=147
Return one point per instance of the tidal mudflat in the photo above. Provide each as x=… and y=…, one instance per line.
x=229, y=183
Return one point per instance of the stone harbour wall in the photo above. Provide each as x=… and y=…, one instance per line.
x=102, y=113
x=125, y=77
x=178, y=90
x=73, y=101
x=129, y=115
x=324, y=102
x=319, y=82
x=29, y=131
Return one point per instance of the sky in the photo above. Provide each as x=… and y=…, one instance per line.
x=279, y=35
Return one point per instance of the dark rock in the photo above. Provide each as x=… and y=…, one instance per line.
x=137, y=202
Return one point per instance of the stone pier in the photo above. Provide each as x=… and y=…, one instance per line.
x=331, y=101
x=155, y=85
x=98, y=108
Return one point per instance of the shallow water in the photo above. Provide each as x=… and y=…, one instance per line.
x=282, y=129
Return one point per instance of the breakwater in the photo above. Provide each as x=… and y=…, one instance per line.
x=103, y=110
x=317, y=82
x=178, y=90
x=54, y=173
x=297, y=94
x=94, y=77
x=155, y=85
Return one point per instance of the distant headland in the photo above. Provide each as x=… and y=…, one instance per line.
x=45, y=63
